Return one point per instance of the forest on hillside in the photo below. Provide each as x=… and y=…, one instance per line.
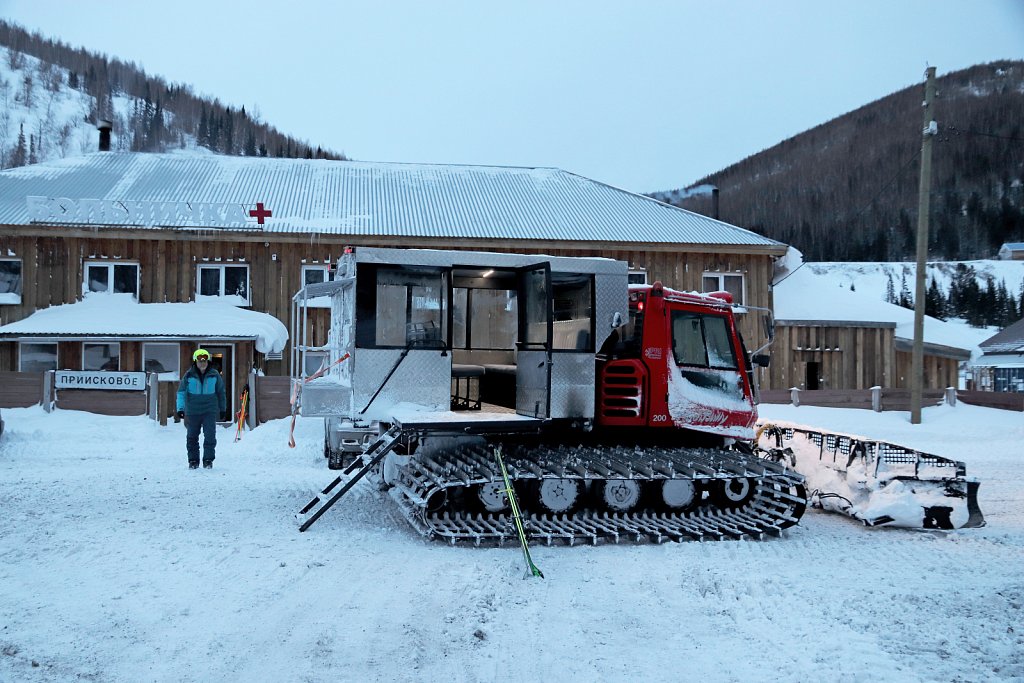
x=847, y=190
x=161, y=115
x=991, y=305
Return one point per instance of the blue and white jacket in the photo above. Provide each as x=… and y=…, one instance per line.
x=199, y=394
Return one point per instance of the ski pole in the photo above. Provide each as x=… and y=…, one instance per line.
x=517, y=517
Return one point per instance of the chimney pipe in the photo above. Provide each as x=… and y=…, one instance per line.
x=714, y=203
x=105, y=126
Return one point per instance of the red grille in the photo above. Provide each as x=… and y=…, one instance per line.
x=622, y=390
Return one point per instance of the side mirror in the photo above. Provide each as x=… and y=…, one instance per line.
x=761, y=359
x=768, y=322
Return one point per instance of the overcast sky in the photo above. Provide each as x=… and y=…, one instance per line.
x=642, y=95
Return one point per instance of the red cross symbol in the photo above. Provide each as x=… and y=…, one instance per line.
x=259, y=213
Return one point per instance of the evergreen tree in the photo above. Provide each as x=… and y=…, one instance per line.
x=1020, y=301
x=155, y=134
x=890, y=290
x=20, y=154
x=203, y=130
x=250, y=143
x=32, y=158
x=934, y=302
x=229, y=133
x=905, y=300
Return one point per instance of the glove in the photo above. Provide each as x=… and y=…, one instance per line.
x=181, y=414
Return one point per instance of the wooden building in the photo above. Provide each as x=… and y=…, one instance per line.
x=846, y=340
x=1001, y=365
x=249, y=232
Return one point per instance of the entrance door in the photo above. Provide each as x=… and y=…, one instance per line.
x=533, y=349
x=813, y=376
x=223, y=358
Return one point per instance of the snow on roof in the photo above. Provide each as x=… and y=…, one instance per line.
x=1002, y=360
x=804, y=297
x=190, y=190
x=1010, y=340
x=119, y=315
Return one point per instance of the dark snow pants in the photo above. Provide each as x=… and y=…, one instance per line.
x=208, y=423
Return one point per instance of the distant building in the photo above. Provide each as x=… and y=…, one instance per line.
x=838, y=339
x=1001, y=365
x=1012, y=251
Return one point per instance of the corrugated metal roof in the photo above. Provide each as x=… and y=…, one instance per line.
x=361, y=199
x=1009, y=340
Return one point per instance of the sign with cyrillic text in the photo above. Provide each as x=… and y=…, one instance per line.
x=145, y=213
x=102, y=379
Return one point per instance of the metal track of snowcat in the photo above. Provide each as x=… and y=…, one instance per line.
x=429, y=490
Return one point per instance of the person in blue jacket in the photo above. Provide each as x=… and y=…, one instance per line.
x=201, y=400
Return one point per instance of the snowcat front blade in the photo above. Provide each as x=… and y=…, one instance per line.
x=879, y=483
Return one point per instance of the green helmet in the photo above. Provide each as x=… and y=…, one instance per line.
x=200, y=353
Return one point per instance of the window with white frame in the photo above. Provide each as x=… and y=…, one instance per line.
x=226, y=282
x=37, y=357
x=312, y=275
x=10, y=281
x=725, y=282
x=637, y=277
x=101, y=356
x=163, y=359
x=112, y=277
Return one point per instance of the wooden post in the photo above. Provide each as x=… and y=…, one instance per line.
x=154, y=396
x=876, y=399
x=48, y=392
x=794, y=396
x=250, y=415
x=928, y=131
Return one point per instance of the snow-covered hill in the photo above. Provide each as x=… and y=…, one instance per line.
x=54, y=119
x=873, y=278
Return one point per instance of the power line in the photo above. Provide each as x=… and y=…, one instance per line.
x=887, y=185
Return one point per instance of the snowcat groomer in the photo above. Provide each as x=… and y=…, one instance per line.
x=622, y=412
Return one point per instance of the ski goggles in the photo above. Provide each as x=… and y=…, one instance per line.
x=200, y=355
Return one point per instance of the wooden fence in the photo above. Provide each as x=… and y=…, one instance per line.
x=877, y=399
x=992, y=399
x=21, y=389
x=269, y=400
x=272, y=398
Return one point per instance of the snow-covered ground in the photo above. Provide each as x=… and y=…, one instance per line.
x=119, y=564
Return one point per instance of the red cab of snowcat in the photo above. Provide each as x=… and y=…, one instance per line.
x=678, y=363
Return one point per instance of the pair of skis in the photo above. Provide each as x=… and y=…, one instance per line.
x=243, y=411
x=517, y=517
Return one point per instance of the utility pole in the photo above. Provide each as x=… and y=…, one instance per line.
x=928, y=131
